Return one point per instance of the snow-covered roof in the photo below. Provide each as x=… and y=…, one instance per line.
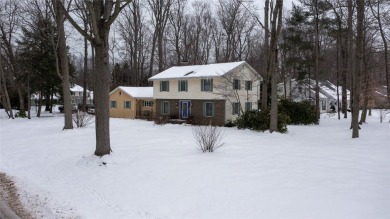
x=76, y=88
x=196, y=71
x=136, y=92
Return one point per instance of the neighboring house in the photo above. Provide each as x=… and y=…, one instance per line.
x=76, y=92
x=380, y=97
x=132, y=102
x=305, y=90
x=213, y=93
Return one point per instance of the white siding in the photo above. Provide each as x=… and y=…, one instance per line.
x=222, y=89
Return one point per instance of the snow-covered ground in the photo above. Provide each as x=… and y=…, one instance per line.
x=157, y=172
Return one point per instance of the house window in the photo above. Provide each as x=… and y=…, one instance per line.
x=248, y=106
x=127, y=104
x=164, y=85
x=183, y=85
x=208, y=109
x=236, y=108
x=113, y=104
x=165, y=107
x=236, y=84
x=148, y=103
x=323, y=104
x=248, y=85
x=207, y=85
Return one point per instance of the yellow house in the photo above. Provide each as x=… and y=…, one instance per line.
x=132, y=102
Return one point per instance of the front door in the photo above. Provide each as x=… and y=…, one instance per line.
x=185, y=110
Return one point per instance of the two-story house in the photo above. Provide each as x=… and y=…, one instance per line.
x=213, y=93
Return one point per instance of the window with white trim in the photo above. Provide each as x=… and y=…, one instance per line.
x=148, y=103
x=208, y=109
x=165, y=107
x=236, y=84
x=127, y=104
x=164, y=86
x=182, y=85
x=113, y=104
x=206, y=85
x=248, y=85
x=248, y=106
x=236, y=108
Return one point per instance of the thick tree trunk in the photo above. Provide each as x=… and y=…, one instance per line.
x=101, y=95
x=359, y=68
x=276, y=27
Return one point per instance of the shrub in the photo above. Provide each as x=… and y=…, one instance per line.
x=21, y=114
x=260, y=121
x=82, y=119
x=300, y=113
x=230, y=123
x=161, y=120
x=208, y=138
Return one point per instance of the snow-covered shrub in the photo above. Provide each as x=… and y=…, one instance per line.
x=82, y=119
x=208, y=138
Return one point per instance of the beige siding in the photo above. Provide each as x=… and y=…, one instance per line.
x=120, y=112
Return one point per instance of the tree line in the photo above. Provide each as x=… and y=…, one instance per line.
x=126, y=42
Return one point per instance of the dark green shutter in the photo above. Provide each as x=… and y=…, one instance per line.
x=211, y=85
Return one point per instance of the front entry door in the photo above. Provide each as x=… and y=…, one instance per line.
x=185, y=110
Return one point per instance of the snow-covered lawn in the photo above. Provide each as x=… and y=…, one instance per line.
x=157, y=172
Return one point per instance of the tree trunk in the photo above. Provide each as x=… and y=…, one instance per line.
x=63, y=54
x=276, y=27
x=101, y=95
x=264, y=96
x=359, y=67
x=317, y=51
x=21, y=101
x=85, y=76
x=39, y=105
x=3, y=86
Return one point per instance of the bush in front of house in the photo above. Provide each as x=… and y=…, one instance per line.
x=208, y=138
x=300, y=113
x=260, y=121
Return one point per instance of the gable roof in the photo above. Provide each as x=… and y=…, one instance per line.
x=197, y=71
x=76, y=87
x=327, y=89
x=136, y=92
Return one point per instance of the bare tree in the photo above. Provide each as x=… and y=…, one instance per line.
x=63, y=71
x=359, y=68
x=276, y=26
x=9, y=24
x=376, y=12
x=160, y=13
x=4, y=97
x=103, y=13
